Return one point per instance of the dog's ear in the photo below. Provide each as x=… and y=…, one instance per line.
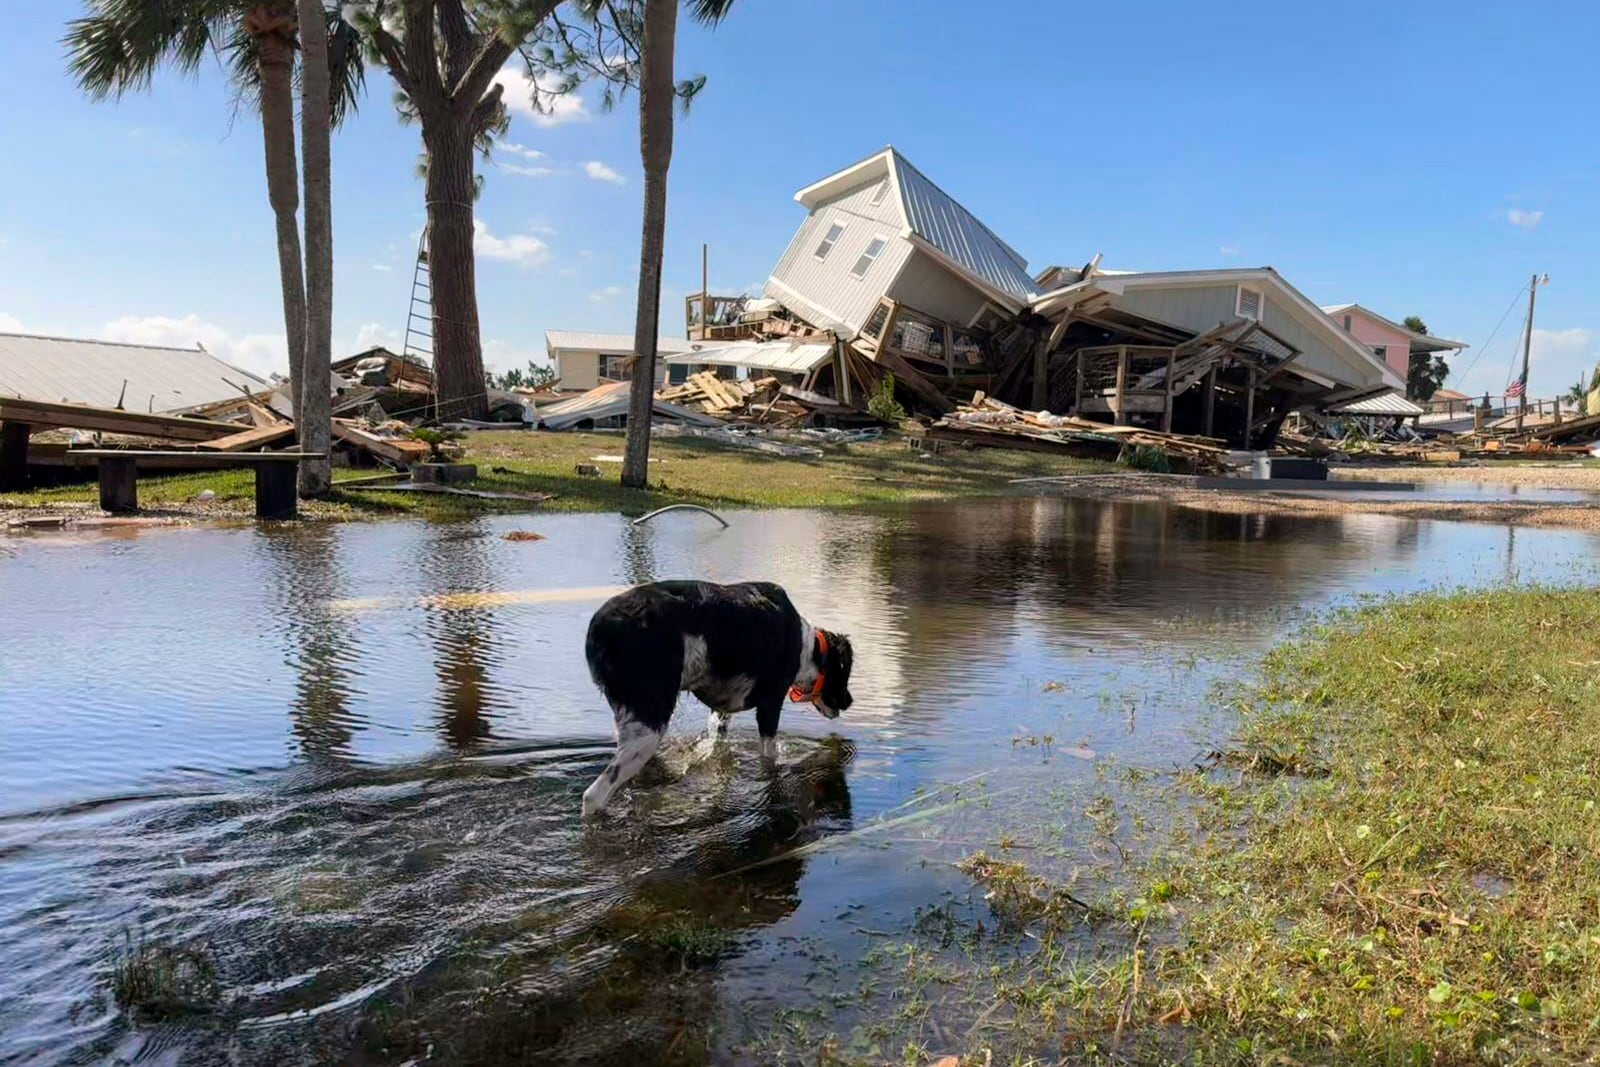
x=836, y=672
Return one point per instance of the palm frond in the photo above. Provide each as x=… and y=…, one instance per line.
x=709, y=12
x=120, y=44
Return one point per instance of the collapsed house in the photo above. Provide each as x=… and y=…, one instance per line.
x=890, y=276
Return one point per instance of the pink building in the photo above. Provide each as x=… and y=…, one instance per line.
x=1388, y=340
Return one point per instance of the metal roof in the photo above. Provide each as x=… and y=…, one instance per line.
x=1382, y=404
x=956, y=233
x=610, y=401
x=793, y=356
x=58, y=369
x=611, y=344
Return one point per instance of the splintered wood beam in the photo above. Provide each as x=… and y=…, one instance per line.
x=109, y=420
x=914, y=381
x=248, y=439
x=1211, y=400
x=1166, y=407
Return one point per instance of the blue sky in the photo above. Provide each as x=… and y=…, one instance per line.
x=1419, y=158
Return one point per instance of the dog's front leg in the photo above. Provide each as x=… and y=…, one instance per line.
x=767, y=723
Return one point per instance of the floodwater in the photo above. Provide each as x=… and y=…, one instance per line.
x=341, y=765
x=1466, y=491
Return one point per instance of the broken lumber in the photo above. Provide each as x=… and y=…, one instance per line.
x=39, y=413
x=392, y=449
x=255, y=437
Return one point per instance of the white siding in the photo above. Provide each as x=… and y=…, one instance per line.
x=932, y=289
x=823, y=291
x=1201, y=307
x=581, y=370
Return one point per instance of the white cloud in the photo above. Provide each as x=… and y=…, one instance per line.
x=568, y=272
x=1557, y=359
x=553, y=110
x=537, y=171
x=261, y=353
x=602, y=173
x=606, y=295
x=523, y=249
x=1524, y=220
x=521, y=150
x=10, y=324
x=1230, y=250
x=383, y=267
x=376, y=335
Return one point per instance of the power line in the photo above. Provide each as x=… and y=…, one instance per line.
x=1490, y=341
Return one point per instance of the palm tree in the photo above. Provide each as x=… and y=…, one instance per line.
x=120, y=44
x=657, y=94
x=314, y=404
x=444, y=61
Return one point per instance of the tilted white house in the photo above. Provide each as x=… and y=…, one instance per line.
x=882, y=228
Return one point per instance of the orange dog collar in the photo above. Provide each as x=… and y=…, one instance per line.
x=800, y=696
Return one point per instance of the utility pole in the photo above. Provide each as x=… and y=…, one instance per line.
x=1527, y=343
x=705, y=291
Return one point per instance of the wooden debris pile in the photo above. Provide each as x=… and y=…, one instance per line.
x=989, y=422
x=757, y=400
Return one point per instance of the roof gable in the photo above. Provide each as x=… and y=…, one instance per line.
x=937, y=224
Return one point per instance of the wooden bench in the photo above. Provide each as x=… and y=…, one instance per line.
x=276, y=473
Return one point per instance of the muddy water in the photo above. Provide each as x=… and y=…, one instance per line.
x=342, y=765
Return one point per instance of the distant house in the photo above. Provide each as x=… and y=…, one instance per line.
x=1388, y=340
x=146, y=378
x=881, y=229
x=583, y=359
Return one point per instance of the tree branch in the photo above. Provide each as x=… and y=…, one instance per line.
x=426, y=87
x=393, y=57
x=487, y=63
x=459, y=40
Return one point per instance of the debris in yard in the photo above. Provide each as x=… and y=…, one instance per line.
x=607, y=405
x=523, y=535
x=989, y=422
x=586, y=470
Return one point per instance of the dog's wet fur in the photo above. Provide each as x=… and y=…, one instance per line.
x=735, y=647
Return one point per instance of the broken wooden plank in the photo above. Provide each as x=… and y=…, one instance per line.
x=395, y=450
x=110, y=420
x=245, y=440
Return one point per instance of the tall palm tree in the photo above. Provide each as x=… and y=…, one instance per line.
x=443, y=56
x=657, y=95
x=118, y=45
x=314, y=403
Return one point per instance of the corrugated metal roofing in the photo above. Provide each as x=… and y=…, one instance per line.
x=612, y=344
x=793, y=356
x=57, y=369
x=936, y=217
x=1384, y=404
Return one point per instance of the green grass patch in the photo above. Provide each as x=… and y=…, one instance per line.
x=682, y=470
x=1432, y=894
x=161, y=982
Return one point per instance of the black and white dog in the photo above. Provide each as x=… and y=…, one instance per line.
x=734, y=647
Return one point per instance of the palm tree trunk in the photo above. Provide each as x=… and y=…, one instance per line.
x=656, y=98
x=314, y=413
x=457, y=348
x=275, y=62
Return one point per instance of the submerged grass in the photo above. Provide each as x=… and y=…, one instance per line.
x=682, y=470
x=161, y=982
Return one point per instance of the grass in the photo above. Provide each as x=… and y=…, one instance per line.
x=1430, y=894
x=1394, y=860
x=160, y=982
x=683, y=470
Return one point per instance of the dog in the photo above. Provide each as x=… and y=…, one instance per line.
x=735, y=647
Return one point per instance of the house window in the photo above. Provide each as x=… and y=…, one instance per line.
x=835, y=231
x=880, y=192
x=1249, y=306
x=1347, y=324
x=1382, y=352
x=677, y=373
x=616, y=368
x=874, y=249
x=880, y=315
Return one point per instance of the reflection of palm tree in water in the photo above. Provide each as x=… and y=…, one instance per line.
x=705, y=887
x=456, y=559
x=320, y=646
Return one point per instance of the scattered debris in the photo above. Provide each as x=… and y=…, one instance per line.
x=989, y=422
x=522, y=535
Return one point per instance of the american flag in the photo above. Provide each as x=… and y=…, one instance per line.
x=1515, y=389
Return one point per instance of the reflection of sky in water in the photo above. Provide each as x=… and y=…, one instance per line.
x=316, y=748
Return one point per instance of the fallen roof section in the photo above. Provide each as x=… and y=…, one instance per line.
x=105, y=374
x=1382, y=404
x=796, y=357
x=610, y=401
